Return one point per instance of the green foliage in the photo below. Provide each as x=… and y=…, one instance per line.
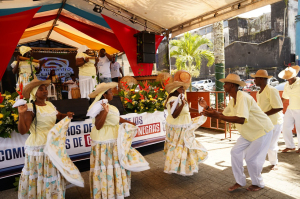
x=16, y=183
x=187, y=52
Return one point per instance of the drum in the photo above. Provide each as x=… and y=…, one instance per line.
x=75, y=93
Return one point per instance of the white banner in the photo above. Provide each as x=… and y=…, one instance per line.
x=151, y=125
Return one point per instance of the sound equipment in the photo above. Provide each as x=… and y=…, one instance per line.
x=75, y=92
x=145, y=47
x=293, y=58
x=78, y=106
x=116, y=101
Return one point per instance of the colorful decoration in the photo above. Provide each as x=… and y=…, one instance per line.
x=148, y=97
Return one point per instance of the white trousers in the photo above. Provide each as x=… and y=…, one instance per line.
x=273, y=149
x=87, y=85
x=255, y=155
x=291, y=118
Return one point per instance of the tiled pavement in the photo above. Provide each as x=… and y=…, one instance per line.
x=212, y=181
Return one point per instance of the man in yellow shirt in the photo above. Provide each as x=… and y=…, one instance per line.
x=291, y=92
x=268, y=99
x=256, y=131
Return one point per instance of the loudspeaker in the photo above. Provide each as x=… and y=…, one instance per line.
x=293, y=58
x=116, y=101
x=78, y=106
x=145, y=47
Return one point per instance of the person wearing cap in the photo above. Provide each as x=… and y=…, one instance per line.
x=291, y=92
x=24, y=68
x=40, y=177
x=268, y=99
x=256, y=131
x=103, y=66
x=112, y=157
x=87, y=71
x=183, y=152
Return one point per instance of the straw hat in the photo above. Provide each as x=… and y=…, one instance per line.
x=129, y=80
x=34, y=83
x=233, y=78
x=289, y=72
x=182, y=76
x=102, y=88
x=24, y=49
x=176, y=84
x=261, y=73
x=163, y=76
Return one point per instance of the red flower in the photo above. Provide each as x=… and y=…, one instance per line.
x=128, y=100
x=21, y=90
x=1, y=98
x=156, y=89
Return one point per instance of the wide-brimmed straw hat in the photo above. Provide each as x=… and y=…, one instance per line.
x=170, y=87
x=289, y=72
x=102, y=88
x=261, y=73
x=233, y=78
x=183, y=76
x=34, y=83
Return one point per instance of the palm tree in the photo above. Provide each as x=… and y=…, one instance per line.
x=188, y=55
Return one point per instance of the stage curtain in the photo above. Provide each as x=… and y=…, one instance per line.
x=83, y=41
x=30, y=33
x=40, y=20
x=125, y=35
x=103, y=36
x=13, y=26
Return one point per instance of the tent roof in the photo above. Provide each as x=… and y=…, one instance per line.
x=167, y=16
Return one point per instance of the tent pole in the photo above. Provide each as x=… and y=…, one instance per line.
x=168, y=49
x=58, y=14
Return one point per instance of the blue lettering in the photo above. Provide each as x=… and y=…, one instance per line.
x=85, y=128
x=141, y=120
x=17, y=153
x=75, y=142
x=8, y=154
x=80, y=139
x=2, y=156
x=68, y=144
x=78, y=129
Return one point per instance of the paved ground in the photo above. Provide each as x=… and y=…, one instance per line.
x=212, y=181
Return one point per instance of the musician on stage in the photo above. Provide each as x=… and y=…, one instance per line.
x=72, y=83
x=87, y=71
x=53, y=77
x=26, y=68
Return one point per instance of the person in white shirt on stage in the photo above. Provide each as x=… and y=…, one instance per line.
x=72, y=83
x=291, y=118
x=268, y=99
x=103, y=66
x=115, y=69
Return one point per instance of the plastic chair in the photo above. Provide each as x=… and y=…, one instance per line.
x=51, y=89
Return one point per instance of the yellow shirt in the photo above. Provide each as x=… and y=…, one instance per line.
x=268, y=99
x=24, y=66
x=292, y=92
x=88, y=69
x=184, y=117
x=110, y=129
x=46, y=118
x=256, y=124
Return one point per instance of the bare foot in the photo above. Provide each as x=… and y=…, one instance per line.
x=287, y=150
x=298, y=151
x=234, y=187
x=274, y=167
x=254, y=188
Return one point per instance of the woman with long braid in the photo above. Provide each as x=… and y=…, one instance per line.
x=40, y=178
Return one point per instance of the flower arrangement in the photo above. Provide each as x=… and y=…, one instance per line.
x=150, y=97
x=8, y=114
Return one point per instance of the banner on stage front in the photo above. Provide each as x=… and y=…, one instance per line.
x=78, y=141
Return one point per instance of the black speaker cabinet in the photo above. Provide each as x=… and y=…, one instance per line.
x=145, y=47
